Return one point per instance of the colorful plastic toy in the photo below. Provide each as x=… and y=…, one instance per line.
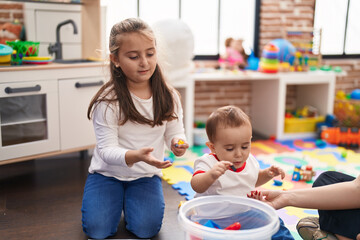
x=355, y=94
x=212, y=224
x=180, y=142
x=330, y=121
x=307, y=174
x=342, y=136
x=234, y=226
x=269, y=62
x=278, y=182
x=286, y=50
x=305, y=42
x=296, y=174
x=347, y=110
x=301, y=174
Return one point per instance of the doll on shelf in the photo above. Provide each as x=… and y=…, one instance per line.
x=234, y=57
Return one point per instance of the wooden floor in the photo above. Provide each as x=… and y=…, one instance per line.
x=41, y=199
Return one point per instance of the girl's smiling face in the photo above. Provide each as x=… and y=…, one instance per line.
x=232, y=144
x=136, y=57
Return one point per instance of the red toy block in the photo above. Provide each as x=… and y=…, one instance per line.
x=234, y=226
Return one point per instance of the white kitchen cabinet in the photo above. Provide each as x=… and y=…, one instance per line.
x=75, y=94
x=43, y=109
x=28, y=118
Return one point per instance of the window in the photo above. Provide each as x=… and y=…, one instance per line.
x=338, y=21
x=203, y=23
x=211, y=21
x=151, y=12
x=237, y=20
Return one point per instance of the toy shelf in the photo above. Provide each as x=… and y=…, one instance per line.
x=315, y=88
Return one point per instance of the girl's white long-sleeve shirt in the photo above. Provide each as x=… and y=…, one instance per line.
x=113, y=141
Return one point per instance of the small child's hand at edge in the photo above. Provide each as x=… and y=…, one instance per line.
x=274, y=171
x=219, y=169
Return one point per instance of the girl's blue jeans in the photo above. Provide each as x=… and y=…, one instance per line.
x=105, y=198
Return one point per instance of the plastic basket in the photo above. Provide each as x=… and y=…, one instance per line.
x=26, y=48
x=347, y=112
x=258, y=220
x=302, y=125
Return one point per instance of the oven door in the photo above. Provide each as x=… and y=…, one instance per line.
x=29, y=118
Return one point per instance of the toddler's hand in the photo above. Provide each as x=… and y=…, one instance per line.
x=219, y=169
x=178, y=146
x=274, y=171
x=145, y=155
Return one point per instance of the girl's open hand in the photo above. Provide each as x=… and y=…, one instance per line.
x=178, y=146
x=219, y=169
x=145, y=155
x=274, y=171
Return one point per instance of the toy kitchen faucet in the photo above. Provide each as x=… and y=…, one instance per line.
x=57, y=47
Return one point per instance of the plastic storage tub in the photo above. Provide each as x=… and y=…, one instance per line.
x=258, y=220
x=300, y=125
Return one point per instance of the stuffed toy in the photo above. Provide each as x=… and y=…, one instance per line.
x=9, y=32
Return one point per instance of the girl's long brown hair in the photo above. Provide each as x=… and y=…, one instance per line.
x=116, y=90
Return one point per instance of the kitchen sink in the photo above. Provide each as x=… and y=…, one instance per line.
x=69, y=61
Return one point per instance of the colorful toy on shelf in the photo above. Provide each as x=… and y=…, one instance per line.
x=16, y=59
x=355, y=94
x=269, y=62
x=5, y=53
x=330, y=121
x=307, y=111
x=342, y=136
x=306, y=41
x=253, y=62
x=26, y=48
x=337, y=69
x=340, y=95
x=304, y=112
x=286, y=50
x=302, y=174
x=347, y=109
x=302, y=120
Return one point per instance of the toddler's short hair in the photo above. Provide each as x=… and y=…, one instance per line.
x=227, y=116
